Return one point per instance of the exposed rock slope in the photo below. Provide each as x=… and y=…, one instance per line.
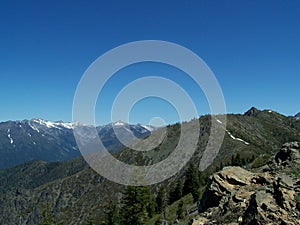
x=269, y=195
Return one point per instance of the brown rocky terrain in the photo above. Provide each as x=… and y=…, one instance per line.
x=266, y=195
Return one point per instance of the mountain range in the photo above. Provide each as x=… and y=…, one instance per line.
x=75, y=194
x=37, y=139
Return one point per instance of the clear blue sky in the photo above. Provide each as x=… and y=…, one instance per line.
x=253, y=48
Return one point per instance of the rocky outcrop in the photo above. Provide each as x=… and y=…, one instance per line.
x=252, y=112
x=237, y=196
x=288, y=152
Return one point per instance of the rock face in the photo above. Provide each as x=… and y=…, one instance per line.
x=288, y=152
x=252, y=112
x=237, y=196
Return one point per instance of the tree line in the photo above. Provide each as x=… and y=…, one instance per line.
x=139, y=204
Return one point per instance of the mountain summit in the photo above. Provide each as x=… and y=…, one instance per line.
x=252, y=112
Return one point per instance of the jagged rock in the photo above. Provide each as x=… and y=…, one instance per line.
x=252, y=112
x=237, y=196
x=226, y=183
x=252, y=215
x=200, y=221
x=288, y=152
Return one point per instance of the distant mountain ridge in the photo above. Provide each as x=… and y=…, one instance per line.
x=38, y=139
x=76, y=194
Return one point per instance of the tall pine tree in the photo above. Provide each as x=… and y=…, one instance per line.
x=160, y=200
x=192, y=184
x=135, y=206
x=176, y=192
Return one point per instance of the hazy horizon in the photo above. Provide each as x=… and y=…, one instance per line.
x=147, y=123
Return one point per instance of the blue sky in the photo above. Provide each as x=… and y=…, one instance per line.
x=252, y=47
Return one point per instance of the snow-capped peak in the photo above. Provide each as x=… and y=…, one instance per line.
x=49, y=124
x=119, y=123
x=67, y=125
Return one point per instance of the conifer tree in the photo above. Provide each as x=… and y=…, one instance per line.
x=180, y=210
x=160, y=200
x=192, y=184
x=176, y=193
x=134, y=206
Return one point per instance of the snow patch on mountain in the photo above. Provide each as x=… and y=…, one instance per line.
x=67, y=125
x=219, y=121
x=33, y=127
x=149, y=128
x=9, y=136
x=237, y=139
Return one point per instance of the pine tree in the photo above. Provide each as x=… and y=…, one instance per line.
x=135, y=206
x=192, y=184
x=180, y=211
x=201, y=179
x=151, y=204
x=176, y=193
x=160, y=200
